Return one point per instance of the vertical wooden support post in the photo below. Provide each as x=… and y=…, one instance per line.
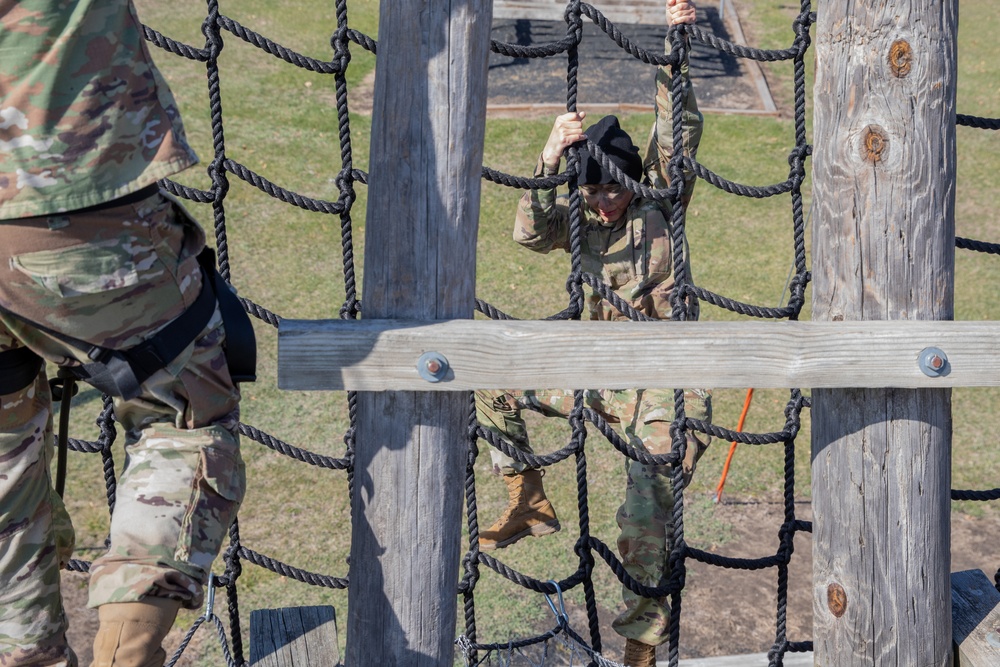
x=428, y=125
x=883, y=249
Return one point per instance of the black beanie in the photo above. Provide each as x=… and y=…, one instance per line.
x=617, y=145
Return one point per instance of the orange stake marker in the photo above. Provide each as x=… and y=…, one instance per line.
x=732, y=446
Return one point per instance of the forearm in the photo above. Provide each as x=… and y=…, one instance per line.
x=692, y=123
x=541, y=223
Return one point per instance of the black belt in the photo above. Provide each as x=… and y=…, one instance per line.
x=131, y=198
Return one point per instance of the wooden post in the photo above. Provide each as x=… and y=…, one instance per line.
x=428, y=126
x=883, y=249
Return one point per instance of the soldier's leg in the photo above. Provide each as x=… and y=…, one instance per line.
x=646, y=514
x=182, y=483
x=497, y=411
x=36, y=537
x=529, y=512
x=113, y=277
x=184, y=478
x=180, y=489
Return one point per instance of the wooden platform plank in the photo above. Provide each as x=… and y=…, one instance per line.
x=294, y=637
x=975, y=605
x=747, y=660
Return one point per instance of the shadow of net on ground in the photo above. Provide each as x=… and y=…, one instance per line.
x=609, y=75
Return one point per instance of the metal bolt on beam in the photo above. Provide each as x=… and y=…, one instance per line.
x=432, y=366
x=933, y=362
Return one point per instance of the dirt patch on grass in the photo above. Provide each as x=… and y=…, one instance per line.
x=733, y=612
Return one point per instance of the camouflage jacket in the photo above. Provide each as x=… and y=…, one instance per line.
x=632, y=255
x=84, y=115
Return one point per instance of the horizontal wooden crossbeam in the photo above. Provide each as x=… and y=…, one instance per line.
x=402, y=355
x=617, y=11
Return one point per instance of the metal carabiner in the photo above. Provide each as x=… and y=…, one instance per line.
x=560, y=613
x=210, y=598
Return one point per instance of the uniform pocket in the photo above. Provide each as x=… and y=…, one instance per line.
x=218, y=489
x=222, y=472
x=90, y=268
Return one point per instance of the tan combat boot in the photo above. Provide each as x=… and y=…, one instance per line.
x=528, y=513
x=638, y=654
x=131, y=633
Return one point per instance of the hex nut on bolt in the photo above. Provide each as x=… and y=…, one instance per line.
x=933, y=362
x=432, y=366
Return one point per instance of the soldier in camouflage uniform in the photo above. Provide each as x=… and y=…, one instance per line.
x=92, y=254
x=626, y=241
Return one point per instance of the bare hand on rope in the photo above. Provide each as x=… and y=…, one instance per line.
x=680, y=11
x=567, y=130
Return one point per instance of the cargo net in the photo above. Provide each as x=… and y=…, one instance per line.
x=583, y=644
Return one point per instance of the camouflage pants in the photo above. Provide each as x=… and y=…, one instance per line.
x=645, y=518
x=497, y=412
x=112, y=277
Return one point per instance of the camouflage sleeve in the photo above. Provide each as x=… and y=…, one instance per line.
x=542, y=222
x=85, y=115
x=660, y=147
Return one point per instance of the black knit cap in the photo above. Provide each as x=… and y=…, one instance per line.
x=617, y=145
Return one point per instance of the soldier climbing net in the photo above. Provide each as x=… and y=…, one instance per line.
x=475, y=651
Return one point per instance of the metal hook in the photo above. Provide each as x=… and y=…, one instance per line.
x=560, y=614
x=210, y=599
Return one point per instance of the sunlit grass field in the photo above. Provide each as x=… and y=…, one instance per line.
x=283, y=123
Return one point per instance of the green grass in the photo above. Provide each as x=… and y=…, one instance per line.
x=290, y=261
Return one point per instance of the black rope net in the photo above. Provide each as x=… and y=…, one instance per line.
x=219, y=28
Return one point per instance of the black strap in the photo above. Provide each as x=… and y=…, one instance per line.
x=241, y=342
x=18, y=369
x=67, y=389
x=122, y=372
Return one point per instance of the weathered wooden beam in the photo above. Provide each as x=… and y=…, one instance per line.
x=617, y=11
x=294, y=637
x=975, y=605
x=376, y=355
x=883, y=249
x=428, y=125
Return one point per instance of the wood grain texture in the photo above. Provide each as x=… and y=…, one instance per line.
x=975, y=605
x=294, y=637
x=428, y=124
x=883, y=249
x=617, y=11
x=377, y=355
